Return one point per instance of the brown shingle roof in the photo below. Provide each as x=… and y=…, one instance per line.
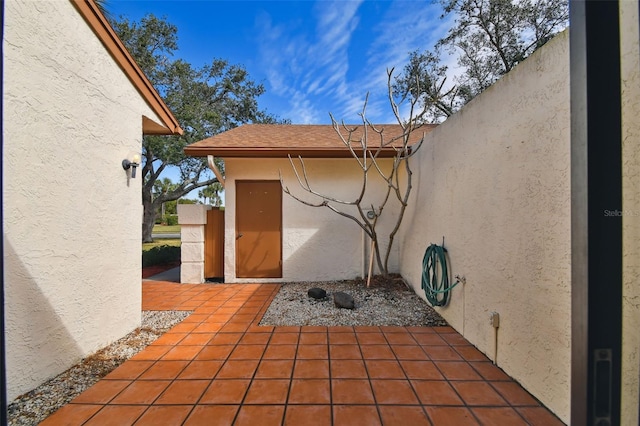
x=280, y=140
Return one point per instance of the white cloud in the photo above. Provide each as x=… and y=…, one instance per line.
x=312, y=67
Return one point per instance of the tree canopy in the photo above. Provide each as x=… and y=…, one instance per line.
x=489, y=37
x=206, y=100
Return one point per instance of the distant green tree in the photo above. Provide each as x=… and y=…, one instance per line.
x=490, y=37
x=206, y=101
x=211, y=194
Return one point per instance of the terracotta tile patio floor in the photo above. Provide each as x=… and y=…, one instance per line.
x=219, y=367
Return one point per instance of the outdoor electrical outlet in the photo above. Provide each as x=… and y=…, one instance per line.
x=494, y=318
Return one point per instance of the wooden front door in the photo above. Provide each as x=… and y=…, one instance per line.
x=258, y=229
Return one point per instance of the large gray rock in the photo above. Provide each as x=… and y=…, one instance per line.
x=343, y=300
x=317, y=293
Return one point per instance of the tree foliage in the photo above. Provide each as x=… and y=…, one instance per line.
x=206, y=101
x=490, y=37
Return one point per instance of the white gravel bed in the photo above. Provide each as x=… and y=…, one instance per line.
x=384, y=303
x=36, y=405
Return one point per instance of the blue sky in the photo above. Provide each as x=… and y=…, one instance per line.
x=313, y=57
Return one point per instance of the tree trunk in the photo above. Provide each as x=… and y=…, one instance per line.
x=148, y=220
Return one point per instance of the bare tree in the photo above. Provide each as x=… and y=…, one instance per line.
x=366, y=145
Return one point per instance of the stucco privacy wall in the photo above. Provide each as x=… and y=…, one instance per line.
x=71, y=216
x=317, y=243
x=494, y=181
x=630, y=71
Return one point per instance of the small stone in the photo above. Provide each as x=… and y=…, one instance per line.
x=317, y=293
x=343, y=300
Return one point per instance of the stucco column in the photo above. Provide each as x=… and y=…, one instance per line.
x=192, y=218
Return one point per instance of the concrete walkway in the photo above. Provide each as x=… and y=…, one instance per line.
x=219, y=367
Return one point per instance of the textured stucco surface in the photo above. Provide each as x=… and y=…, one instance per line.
x=71, y=216
x=494, y=181
x=317, y=243
x=630, y=71
x=193, y=218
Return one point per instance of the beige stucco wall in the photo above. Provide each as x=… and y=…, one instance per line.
x=494, y=181
x=630, y=70
x=71, y=216
x=317, y=243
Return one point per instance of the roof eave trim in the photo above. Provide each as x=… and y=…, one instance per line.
x=279, y=153
x=103, y=30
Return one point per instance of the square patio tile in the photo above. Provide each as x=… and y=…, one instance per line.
x=489, y=371
x=269, y=391
x=311, y=369
x=152, y=353
x=393, y=392
x=348, y=369
x=141, y=392
x=403, y=338
x=168, y=415
x=373, y=338
x=436, y=393
x=247, y=352
x=343, y=339
x=263, y=415
x=280, y=352
x=164, y=370
x=116, y=415
x=201, y=370
x=539, y=416
x=75, y=414
x=284, y=339
x=425, y=370
x=344, y=352
x=225, y=392
x=274, y=369
x=308, y=415
x=183, y=392
x=451, y=416
x=503, y=416
x=377, y=352
x=255, y=339
x=313, y=338
x=102, y=392
x=469, y=353
x=403, y=415
x=182, y=353
x=514, y=394
x=129, y=370
x=312, y=351
x=384, y=369
x=214, y=352
x=197, y=339
x=414, y=352
x=457, y=370
x=478, y=393
x=238, y=369
x=309, y=391
x=225, y=339
x=355, y=415
x=351, y=391
x=430, y=339
x=212, y=415
x=442, y=353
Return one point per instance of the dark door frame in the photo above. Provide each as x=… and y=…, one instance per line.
x=596, y=238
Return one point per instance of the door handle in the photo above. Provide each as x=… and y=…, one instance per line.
x=239, y=236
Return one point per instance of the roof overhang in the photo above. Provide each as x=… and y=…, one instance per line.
x=103, y=30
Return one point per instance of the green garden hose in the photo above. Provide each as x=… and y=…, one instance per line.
x=436, y=287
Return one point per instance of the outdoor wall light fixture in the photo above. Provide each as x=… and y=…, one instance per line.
x=131, y=162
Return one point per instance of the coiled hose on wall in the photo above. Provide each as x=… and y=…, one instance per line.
x=435, y=279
